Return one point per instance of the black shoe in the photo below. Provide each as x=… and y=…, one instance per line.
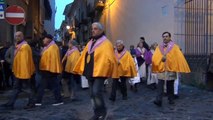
x=7, y=107
x=165, y=94
x=131, y=87
x=112, y=99
x=124, y=98
x=158, y=103
x=176, y=96
x=153, y=86
x=135, y=90
x=29, y=106
x=171, y=102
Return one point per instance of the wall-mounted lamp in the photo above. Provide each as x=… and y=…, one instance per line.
x=68, y=27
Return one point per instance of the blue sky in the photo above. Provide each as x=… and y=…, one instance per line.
x=59, y=17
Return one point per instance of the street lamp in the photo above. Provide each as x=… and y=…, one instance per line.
x=68, y=27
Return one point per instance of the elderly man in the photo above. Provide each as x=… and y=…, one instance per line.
x=23, y=68
x=126, y=69
x=97, y=63
x=167, y=60
x=50, y=67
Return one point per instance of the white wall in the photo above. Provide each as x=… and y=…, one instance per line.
x=130, y=19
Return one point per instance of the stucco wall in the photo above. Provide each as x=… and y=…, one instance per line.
x=130, y=19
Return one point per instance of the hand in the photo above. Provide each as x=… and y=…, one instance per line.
x=163, y=59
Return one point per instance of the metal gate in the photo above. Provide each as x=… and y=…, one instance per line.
x=194, y=30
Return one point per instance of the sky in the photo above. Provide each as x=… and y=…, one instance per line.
x=59, y=17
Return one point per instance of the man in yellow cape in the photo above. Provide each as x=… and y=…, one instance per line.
x=126, y=69
x=97, y=63
x=167, y=61
x=50, y=67
x=23, y=68
x=69, y=77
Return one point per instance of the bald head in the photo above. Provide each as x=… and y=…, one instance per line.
x=19, y=36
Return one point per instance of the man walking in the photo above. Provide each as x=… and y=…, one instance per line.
x=50, y=67
x=167, y=61
x=126, y=69
x=23, y=68
x=97, y=63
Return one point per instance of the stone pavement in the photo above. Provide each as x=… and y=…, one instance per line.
x=193, y=104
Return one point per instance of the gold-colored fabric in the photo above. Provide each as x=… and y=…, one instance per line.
x=71, y=61
x=23, y=65
x=126, y=66
x=175, y=61
x=50, y=60
x=73, y=35
x=105, y=63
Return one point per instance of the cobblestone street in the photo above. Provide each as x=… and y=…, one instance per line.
x=193, y=104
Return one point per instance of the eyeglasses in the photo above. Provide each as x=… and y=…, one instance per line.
x=165, y=36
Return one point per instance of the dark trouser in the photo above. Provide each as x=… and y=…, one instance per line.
x=69, y=84
x=12, y=78
x=121, y=85
x=18, y=85
x=72, y=84
x=51, y=80
x=96, y=86
x=33, y=83
x=170, y=89
x=147, y=71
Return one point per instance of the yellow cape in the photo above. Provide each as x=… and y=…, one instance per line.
x=23, y=65
x=71, y=61
x=175, y=61
x=126, y=67
x=50, y=60
x=73, y=35
x=105, y=63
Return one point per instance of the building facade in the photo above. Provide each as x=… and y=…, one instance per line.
x=36, y=11
x=189, y=22
x=49, y=24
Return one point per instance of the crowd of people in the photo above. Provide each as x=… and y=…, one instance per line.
x=61, y=67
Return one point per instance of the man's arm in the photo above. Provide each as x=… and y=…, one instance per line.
x=7, y=56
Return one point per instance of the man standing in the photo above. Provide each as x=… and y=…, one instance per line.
x=50, y=67
x=97, y=63
x=23, y=69
x=167, y=61
x=70, y=58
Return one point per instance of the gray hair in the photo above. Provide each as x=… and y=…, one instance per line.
x=19, y=32
x=73, y=42
x=119, y=42
x=99, y=25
